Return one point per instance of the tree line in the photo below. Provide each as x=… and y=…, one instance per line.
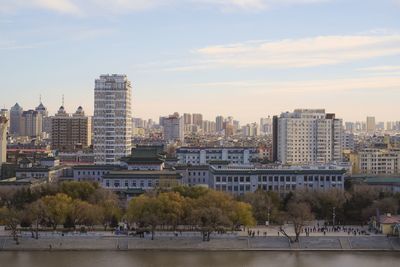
x=72, y=204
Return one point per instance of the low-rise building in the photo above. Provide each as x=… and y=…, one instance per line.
x=239, y=180
x=376, y=161
x=203, y=155
x=48, y=170
x=194, y=175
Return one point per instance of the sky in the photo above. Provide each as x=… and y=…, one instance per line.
x=244, y=58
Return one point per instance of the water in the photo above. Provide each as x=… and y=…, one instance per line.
x=198, y=259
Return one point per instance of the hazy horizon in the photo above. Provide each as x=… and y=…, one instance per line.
x=244, y=58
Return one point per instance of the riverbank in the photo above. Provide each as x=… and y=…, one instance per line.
x=331, y=243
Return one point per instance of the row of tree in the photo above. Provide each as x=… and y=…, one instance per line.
x=68, y=204
x=355, y=206
x=197, y=208
x=86, y=204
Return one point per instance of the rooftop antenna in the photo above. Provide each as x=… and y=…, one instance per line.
x=62, y=100
x=40, y=98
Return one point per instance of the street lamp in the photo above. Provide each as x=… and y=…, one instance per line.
x=333, y=216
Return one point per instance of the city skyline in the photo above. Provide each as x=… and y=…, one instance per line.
x=248, y=59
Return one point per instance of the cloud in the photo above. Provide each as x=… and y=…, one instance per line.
x=307, y=86
x=294, y=53
x=59, y=6
x=88, y=7
x=387, y=68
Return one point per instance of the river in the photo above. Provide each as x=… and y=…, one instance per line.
x=197, y=259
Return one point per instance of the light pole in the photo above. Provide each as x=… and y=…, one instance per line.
x=333, y=216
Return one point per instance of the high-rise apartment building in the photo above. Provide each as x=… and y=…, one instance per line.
x=371, y=125
x=70, y=133
x=187, y=118
x=31, y=123
x=15, y=119
x=266, y=125
x=173, y=128
x=219, y=124
x=6, y=113
x=46, y=120
x=3, y=140
x=307, y=136
x=197, y=119
x=112, y=119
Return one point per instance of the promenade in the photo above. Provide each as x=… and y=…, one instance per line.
x=218, y=242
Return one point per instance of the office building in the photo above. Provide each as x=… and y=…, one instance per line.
x=307, y=136
x=112, y=118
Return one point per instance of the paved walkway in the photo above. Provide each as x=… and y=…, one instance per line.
x=195, y=243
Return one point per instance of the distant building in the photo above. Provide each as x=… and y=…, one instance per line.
x=31, y=123
x=112, y=119
x=266, y=125
x=70, y=133
x=173, y=128
x=197, y=119
x=3, y=140
x=15, y=119
x=6, y=113
x=250, y=130
x=187, y=118
x=219, y=124
x=374, y=161
x=204, y=155
x=307, y=136
x=371, y=125
x=46, y=120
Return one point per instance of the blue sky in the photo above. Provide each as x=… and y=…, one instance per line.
x=246, y=58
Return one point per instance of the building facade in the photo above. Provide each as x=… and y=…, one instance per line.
x=112, y=119
x=373, y=161
x=239, y=180
x=3, y=140
x=307, y=136
x=173, y=128
x=15, y=119
x=204, y=155
x=31, y=123
x=371, y=125
x=70, y=133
